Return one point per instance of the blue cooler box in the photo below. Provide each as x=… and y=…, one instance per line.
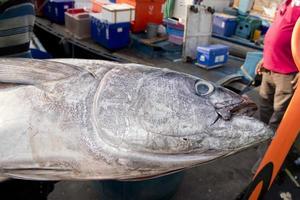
x=111, y=36
x=55, y=10
x=212, y=56
x=224, y=25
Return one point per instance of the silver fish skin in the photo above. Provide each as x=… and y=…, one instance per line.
x=73, y=119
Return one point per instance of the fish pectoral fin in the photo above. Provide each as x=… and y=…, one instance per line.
x=37, y=173
x=31, y=72
x=8, y=85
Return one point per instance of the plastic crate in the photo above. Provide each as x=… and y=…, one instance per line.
x=175, y=31
x=55, y=10
x=212, y=56
x=224, y=25
x=78, y=23
x=247, y=26
x=118, y=13
x=111, y=36
x=173, y=24
x=146, y=11
x=176, y=39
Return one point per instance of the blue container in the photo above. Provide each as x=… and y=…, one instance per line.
x=111, y=36
x=264, y=29
x=265, y=25
x=248, y=70
x=38, y=54
x=212, y=56
x=161, y=188
x=55, y=10
x=174, y=31
x=224, y=25
x=247, y=26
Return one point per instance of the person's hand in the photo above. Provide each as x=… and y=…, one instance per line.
x=296, y=80
x=259, y=67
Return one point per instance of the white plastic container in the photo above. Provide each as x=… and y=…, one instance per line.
x=78, y=23
x=245, y=6
x=180, y=9
x=118, y=13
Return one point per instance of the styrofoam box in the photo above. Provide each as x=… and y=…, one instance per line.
x=118, y=13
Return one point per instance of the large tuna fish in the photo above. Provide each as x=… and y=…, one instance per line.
x=81, y=119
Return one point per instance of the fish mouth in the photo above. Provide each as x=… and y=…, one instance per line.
x=245, y=107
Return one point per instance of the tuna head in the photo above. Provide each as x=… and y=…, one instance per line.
x=161, y=112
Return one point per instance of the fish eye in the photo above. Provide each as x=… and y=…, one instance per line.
x=203, y=88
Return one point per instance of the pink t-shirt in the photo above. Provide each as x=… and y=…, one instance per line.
x=277, y=52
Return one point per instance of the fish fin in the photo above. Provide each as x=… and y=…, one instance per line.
x=92, y=66
x=32, y=72
x=39, y=173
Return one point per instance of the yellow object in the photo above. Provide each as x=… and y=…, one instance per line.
x=256, y=35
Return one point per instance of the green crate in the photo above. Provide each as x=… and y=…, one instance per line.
x=247, y=25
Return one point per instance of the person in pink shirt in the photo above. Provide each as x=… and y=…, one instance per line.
x=279, y=72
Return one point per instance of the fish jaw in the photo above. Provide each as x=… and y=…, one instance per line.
x=245, y=107
x=238, y=133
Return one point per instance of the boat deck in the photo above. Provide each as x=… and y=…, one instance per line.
x=133, y=56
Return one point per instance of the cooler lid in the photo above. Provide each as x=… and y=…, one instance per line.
x=212, y=48
x=118, y=7
x=225, y=16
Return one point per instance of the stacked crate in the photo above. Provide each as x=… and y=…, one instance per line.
x=224, y=25
x=175, y=31
x=55, y=10
x=78, y=23
x=246, y=26
x=111, y=27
